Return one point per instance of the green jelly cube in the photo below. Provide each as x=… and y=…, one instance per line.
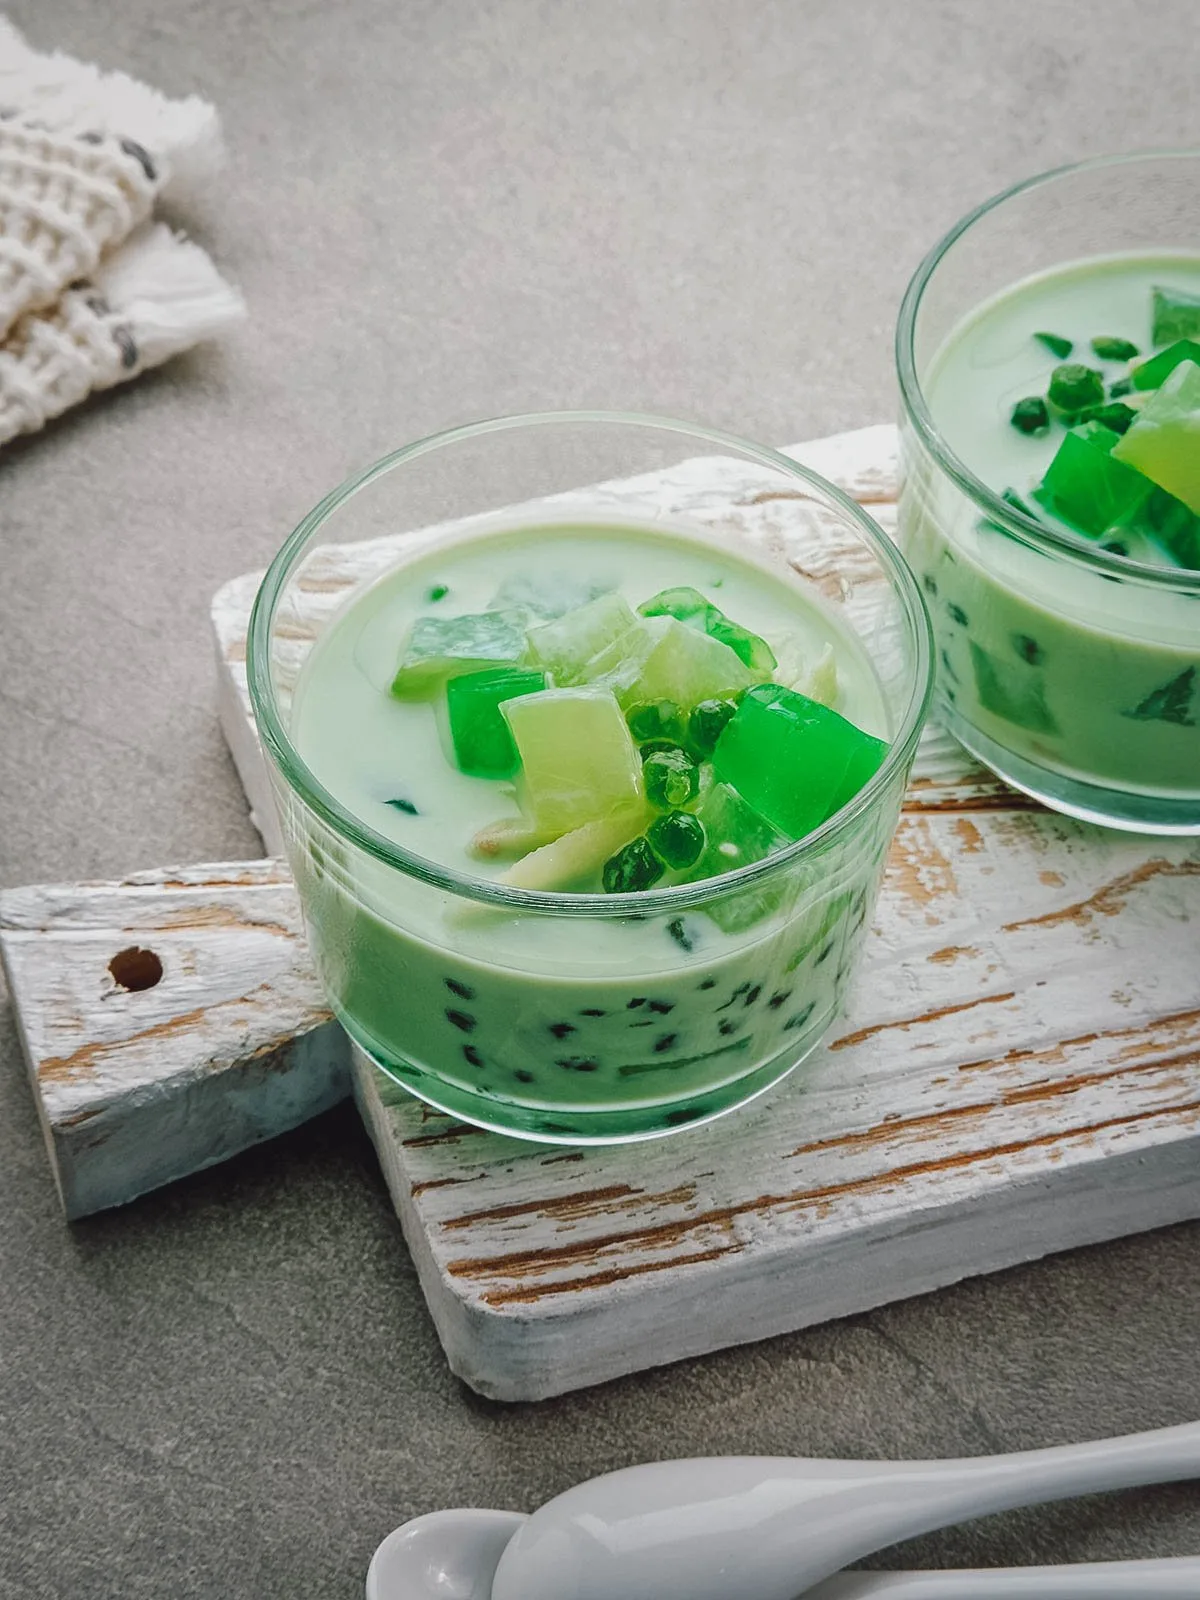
x=565, y=646
x=794, y=760
x=1164, y=441
x=735, y=835
x=483, y=745
x=1074, y=386
x=1176, y=315
x=1012, y=690
x=619, y=665
x=579, y=760
x=439, y=648
x=660, y=658
x=685, y=605
x=1155, y=372
x=1086, y=487
x=546, y=592
x=690, y=606
x=1173, y=526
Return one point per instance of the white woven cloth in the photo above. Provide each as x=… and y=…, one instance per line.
x=182, y=137
x=91, y=293
x=64, y=201
x=156, y=295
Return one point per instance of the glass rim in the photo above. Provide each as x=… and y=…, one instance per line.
x=1037, y=535
x=303, y=783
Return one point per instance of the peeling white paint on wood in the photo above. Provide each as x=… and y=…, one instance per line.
x=230, y=1045
x=1018, y=1071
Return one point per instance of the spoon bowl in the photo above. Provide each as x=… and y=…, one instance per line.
x=453, y=1555
x=446, y=1555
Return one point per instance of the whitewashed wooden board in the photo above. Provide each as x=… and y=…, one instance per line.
x=169, y=1021
x=1018, y=1073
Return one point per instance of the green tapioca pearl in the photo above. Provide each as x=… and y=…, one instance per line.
x=706, y=723
x=671, y=778
x=677, y=838
x=656, y=720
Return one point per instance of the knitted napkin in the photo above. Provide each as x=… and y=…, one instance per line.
x=89, y=294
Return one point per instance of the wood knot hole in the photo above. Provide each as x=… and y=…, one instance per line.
x=135, y=968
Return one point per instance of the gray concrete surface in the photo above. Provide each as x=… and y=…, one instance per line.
x=439, y=210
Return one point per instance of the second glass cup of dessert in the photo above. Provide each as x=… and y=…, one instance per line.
x=587, y=792
x=1049, y=362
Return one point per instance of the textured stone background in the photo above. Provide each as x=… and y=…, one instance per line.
x=439, y=210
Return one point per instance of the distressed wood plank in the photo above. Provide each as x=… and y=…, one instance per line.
x=1018, y=1071
x=229, y=1045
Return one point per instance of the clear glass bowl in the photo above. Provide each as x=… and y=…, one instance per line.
x=586, y=1017
x=993, y=575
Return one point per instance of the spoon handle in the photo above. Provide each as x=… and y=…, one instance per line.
x=1024, y=1478
x=1173, y=1578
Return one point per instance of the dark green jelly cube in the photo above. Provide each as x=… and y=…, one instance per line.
x=1153, y=373
x=1113, y=349
x=1012, y=690
x=1086, y=487
x=1031, y=415
x=1172, y=525
x=1056, y=344
x=1073, y=387
x=483, y=745
x=1171, y=702
x=1176, y=315
x=794, y=760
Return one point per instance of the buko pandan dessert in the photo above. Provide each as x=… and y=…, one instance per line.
x=1068, y=618
x=590, y=710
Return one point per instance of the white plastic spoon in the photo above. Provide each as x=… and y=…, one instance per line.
x=452, y=1555
x=1175, y=1578
x=768, y=1529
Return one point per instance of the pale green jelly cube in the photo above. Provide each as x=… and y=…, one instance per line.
x=439, y=648
x=619, y=665
x=579, y=762
x=564, y=647
x=663, y=659
x=688, y=666
x=1164, y=442
x=734, y=834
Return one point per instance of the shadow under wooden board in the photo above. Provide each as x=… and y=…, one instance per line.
x=1018, y=1073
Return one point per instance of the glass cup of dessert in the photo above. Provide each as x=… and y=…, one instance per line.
x=1049, y=362
x=587, y=793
